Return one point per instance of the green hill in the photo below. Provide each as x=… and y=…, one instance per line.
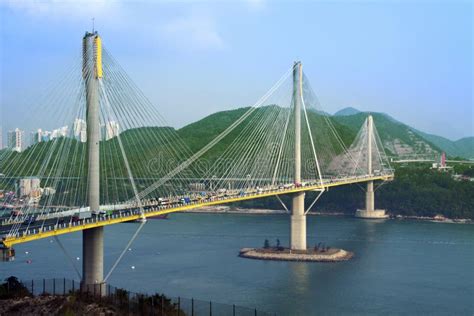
x=347, y=111
x=196, y=135
x=463, y=147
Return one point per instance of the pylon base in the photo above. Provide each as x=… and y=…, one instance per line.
x=375, y=214
x=286, y=254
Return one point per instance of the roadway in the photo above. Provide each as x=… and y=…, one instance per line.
x=26, y=230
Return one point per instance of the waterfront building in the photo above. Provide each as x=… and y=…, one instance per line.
x=29, y=186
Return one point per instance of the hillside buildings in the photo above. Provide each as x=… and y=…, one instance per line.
x=15, y=140
x=41, y=135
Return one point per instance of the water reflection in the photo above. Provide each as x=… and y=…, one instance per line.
x=299, y=277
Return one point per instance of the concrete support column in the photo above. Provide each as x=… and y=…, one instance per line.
x=93, y=239
x=298, y=217
x=298, y=223
x=93, y=257
x=369, y=197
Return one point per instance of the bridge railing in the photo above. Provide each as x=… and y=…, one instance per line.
x=134, y=303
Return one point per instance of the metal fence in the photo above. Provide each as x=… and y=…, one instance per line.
x=138, y=303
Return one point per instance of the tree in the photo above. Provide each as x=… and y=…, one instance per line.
x=13, y=288
x=266, y=244
x=469, y=172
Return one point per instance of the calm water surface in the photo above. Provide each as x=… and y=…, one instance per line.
x=400, y=267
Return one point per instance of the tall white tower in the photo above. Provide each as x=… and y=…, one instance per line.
x=298, y=217
x=370, y=212
x=93, y=239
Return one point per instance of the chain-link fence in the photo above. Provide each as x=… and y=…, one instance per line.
x=137, y=303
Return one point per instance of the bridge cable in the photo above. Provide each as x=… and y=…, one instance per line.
x=211, y=144
x=311, y=139
x=315, y=200
x=283, y=204
x=125, y=250
x=124, y=156
x=68, y=256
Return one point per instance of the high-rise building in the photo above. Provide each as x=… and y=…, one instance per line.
x=37, y=137
x=42, y=136
x=16, y=139
x=46, y=136
x=59, y=132
x=110, y=130
x=80, y=130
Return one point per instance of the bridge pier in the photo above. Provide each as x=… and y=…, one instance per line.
x=93, y=260
x=370, y=212
x=298, y=223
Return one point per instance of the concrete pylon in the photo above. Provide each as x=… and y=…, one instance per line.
x=93, y=239
x=298, y=217
x=370, y=212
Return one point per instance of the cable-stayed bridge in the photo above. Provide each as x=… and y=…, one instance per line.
x=117, y=160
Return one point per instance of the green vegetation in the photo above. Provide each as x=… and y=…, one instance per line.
x=423, y=192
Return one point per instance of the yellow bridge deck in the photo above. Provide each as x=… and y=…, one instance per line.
x=23, y=237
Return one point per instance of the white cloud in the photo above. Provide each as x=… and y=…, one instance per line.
x=196, y=30
x=64, y=9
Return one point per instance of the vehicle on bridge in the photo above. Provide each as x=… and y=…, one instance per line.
x=81, y=215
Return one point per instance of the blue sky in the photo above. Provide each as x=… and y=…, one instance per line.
x=412, y=60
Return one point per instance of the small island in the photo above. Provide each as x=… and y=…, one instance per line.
x=319, y=253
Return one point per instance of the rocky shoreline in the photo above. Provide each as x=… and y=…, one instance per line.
x=252, y=211
x=436, y=219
